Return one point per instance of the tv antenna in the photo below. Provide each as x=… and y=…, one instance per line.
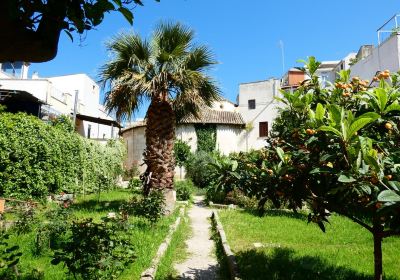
x=283, y=56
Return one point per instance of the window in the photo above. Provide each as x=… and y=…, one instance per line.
x=263, y=129
x=89, y=131
x=252, y=104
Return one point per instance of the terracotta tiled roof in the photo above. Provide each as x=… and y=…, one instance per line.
x=216, y=117
x=207, y=116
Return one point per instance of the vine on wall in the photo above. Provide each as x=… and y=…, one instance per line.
x=206, y=137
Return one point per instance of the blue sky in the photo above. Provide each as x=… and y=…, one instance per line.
x=244, y=35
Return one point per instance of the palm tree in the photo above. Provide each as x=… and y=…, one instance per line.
x=169, y=70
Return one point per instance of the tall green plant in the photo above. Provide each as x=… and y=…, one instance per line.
x=206, y=137
x=38, y=159
x=337, y=149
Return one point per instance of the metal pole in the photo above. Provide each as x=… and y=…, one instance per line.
x=75, y=106
x=283, y=56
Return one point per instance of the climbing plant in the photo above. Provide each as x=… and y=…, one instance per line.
x=38, y=158
x=206, y=137
x=181, y=152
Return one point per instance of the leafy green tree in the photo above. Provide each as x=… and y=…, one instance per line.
x=181, y=153
x=32, y=28
x=337, y=149
x=169, y=71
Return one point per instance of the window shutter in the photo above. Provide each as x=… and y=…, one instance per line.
x=263, y=128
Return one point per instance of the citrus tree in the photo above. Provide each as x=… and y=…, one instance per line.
x=337, y=149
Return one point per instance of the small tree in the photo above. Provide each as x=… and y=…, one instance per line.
x=182, y=154
x=337, y=149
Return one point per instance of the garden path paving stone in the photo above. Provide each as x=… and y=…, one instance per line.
x=202, y=263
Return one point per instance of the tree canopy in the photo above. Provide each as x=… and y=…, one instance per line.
x=30, y=29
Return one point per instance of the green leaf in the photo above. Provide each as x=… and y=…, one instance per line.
x=382, y=98
x=389, y=196
x=395, y=106
x=127, y=14
x=395, y=185
x=281, y=154
x=319, y=112
x=330, y=129
x=366, y=189
x=234, y=165
x=335, y=114
x=358, y=124
x=346, y=179
x=371, y=161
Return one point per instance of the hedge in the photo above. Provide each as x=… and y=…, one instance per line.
x=38, y=159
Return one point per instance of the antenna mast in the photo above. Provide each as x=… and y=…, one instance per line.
x=283, y=56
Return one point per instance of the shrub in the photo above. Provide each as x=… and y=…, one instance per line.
x=198, y=169
x=95, y=250
x=26, y=219
x=9, y=255
x=134, y=184
x=150, y=207
x=38, y=158
x=131, y=172
x=184, y=189
x=181, y=152
x=51, y=233
x=237, y=197
x=215, y=195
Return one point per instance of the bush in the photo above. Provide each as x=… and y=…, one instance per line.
x=37, y=159
x=198, y=169
x=134, y=183
x=51, y=233
x=150, y=207
x=184, y=189
x=240, y=199
x=95, y=250
x=9, y=255
x=26, y=219
x=131, y=172
x=215, y=195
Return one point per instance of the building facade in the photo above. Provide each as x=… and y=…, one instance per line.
x=223, y=116
x=259, y=108
x=63, y=95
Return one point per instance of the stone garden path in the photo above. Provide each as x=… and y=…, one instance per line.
x=202, y=263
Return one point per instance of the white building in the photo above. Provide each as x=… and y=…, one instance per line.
x=259, y=108
x=60, y=95
x=228, y=123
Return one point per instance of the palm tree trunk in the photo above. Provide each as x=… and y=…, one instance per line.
x=158, y=156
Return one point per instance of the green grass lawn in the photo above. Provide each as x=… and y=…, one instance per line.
x=176, y=251
x=293, y=249
x=145, y=237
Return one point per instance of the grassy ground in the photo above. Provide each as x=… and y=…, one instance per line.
x=145, y=237
x=294, y=250
x=176, y=251
x=223, y=272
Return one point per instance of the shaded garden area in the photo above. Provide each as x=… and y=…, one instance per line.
x=34, y=242
x=291, y=249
